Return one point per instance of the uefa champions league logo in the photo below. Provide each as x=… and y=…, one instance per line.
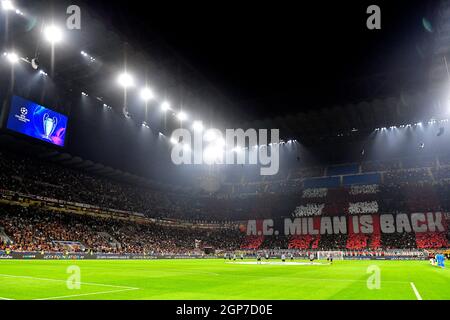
x=22, y=117
x=49, y=125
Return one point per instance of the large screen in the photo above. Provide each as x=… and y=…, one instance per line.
x=36, y=121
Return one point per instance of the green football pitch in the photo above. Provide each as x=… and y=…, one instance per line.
x=219, y=279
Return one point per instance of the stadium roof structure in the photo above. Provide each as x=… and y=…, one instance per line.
x=381, y=102
x=351, y=121
x=153, y=62
x=172, y=76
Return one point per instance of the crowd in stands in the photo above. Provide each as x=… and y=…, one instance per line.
x=310, y=209
x=307, y=172
x=380, y=166
x=363, y=207
x=252, y=242
x=35, y=229
x=364, y=189
x=407, y=176
x=404, y=240
x=31, y=176
x=357, y=241
x=315, y=192
x=331, y=242
x=411, y=190
x=432, y=240
x=304, y=242
x=38, y=229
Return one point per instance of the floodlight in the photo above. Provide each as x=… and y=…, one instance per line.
x=165, y=106
x=147, y=94
x=7, y=5
x=125, y=80
x=53, y=34
x=12, y=57
x=197, y=126
x=182, y=116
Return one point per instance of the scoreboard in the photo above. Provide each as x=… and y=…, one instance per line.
x=36, y=121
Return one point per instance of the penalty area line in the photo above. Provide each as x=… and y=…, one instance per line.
x=415, y=291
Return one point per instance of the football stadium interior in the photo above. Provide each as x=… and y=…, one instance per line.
x=88, y=181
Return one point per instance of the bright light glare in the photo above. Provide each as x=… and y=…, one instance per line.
x=212, y=154
x=53, y=34
x=182, y=116
x=165, y=106
x=197, y=126
x=186, y=147
x=147, y=94
x=125, y=80
x=173, y=141
x=7, y=5
x=220, y=143
x=210, y=135
x=12, y=57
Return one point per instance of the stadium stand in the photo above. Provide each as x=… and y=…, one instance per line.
x=33, y=226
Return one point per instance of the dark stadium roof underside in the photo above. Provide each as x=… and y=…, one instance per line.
x=166, y=71
x=357, y=121
x=173, y=76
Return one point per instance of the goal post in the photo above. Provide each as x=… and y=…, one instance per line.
x=337, y=255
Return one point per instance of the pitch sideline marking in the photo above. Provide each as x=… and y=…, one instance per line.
x=59, y=280
x=86, y=294
x=415, y=291
x=2, y=298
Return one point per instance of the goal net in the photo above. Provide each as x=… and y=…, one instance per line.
x=337, y=255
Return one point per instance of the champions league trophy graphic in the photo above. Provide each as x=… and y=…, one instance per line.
x=49, y=125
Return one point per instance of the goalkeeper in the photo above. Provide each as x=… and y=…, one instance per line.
x=440, y=260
